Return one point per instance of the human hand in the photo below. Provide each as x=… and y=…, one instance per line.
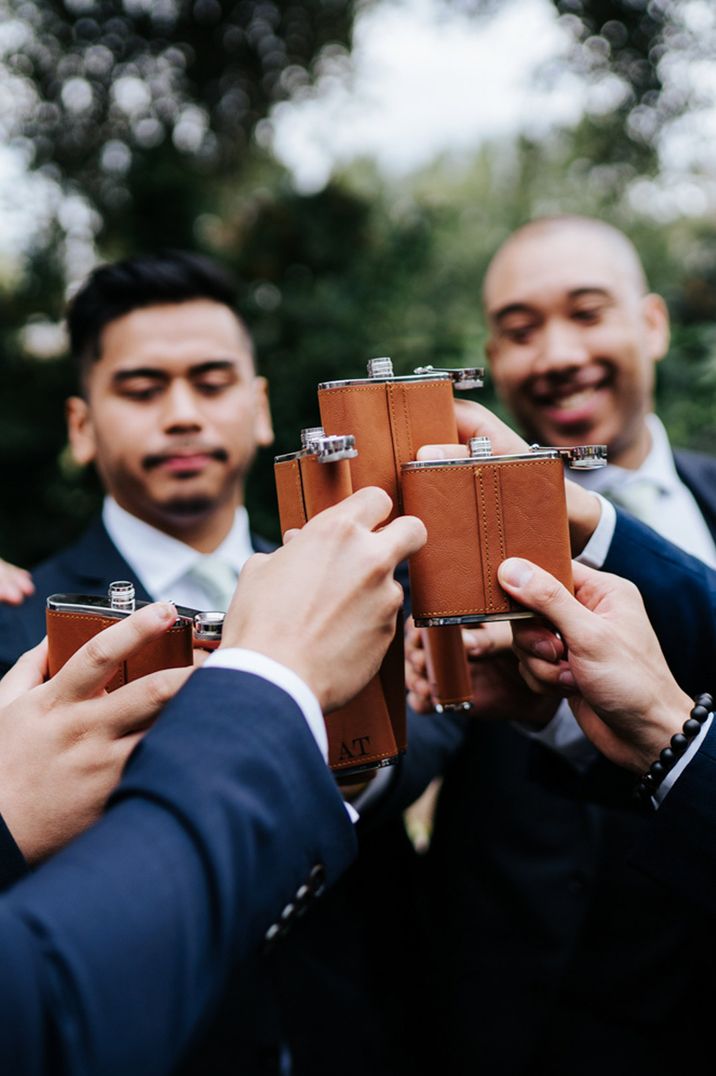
x=325, y=604
x=606, y=658
x=64, y=743
x=15, y=584
x=498, y=690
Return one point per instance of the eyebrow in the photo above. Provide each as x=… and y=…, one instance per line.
x=525, y=308
x=153, y=373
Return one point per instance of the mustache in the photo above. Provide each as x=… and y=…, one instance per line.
x=547, y=383
x=152, y=460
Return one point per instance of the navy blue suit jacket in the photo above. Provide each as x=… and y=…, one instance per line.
x=679, y=845
x=113, y=950
x=326, y=967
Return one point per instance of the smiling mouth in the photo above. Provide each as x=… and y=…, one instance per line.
x=573, y=401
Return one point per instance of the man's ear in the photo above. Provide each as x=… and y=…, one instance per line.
x=263, y=426
x=80, y=430
x=656, y=326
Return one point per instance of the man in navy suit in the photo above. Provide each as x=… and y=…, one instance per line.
x=171, y=412
x=556, y=955
x=226, y=825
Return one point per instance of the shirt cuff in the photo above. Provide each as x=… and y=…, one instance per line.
x=595, y=551
x=243, y=660
x=563, y=735
x=673, y=775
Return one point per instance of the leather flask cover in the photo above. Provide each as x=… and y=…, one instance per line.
x=390, y=421
x=361, y=734
x=478, y=513
x=68, y=630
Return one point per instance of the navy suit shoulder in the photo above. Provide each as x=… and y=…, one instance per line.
x=87, y=566
x=227, y=819
x=698, y=472
x=679, y=593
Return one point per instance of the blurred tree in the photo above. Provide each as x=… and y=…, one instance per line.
x=328, y=280
x=641, y=58
x=142, y=103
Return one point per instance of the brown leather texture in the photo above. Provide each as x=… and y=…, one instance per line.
x=304, y=487
x=370, y=729
x=478, y=514
x=390, y=421
x=448, y=671
x=68, y=631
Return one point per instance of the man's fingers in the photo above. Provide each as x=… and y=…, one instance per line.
x=290, y=534
x=542, y=593
x=93, y=665
x=370, y=506
x=403, y=537
x=546, y=679
x=134, y=707
x=15, y=584
x=488, y=638
x=474, y=420
x=28, y=671
x=442, y=452
x=537, y=639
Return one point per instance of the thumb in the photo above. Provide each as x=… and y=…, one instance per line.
x=539, y=591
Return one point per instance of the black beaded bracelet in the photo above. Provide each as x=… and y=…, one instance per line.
x=648, y=784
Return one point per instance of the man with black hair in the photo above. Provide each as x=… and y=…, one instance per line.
x=171, y=412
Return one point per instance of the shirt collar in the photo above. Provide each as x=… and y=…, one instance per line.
x=157, y=559
x=658, y=466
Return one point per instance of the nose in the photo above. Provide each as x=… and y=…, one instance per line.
x=562, y=347
x=181, y=410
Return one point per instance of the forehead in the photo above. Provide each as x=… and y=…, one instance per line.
x=547, y=266
x=174, y=336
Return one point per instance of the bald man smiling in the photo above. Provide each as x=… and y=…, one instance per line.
x=556, y=956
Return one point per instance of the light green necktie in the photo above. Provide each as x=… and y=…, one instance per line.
x=218, y=579
x=641, y=497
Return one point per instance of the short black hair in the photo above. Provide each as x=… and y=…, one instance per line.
x=118, y=288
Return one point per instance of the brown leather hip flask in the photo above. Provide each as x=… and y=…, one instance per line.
x=480, y=511
x=369, y=731
x=391, y=417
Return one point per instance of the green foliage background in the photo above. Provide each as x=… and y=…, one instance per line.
x=362, y=268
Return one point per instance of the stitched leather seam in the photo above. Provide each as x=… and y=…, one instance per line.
x=486, y=545
x=97, y=619
x=500, y=520
x=299, y=488
x=378, y=385
x=394, y=441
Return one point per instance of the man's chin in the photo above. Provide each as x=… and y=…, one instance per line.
x=187, y=509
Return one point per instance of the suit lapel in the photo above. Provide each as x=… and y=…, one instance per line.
x=698, y=473
x=94, y=561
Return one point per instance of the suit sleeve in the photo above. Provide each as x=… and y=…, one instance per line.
x=226, y=823
x=679, y=593
x=679, y=846
x=12, y=862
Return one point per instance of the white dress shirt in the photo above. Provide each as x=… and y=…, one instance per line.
x=163, y=564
